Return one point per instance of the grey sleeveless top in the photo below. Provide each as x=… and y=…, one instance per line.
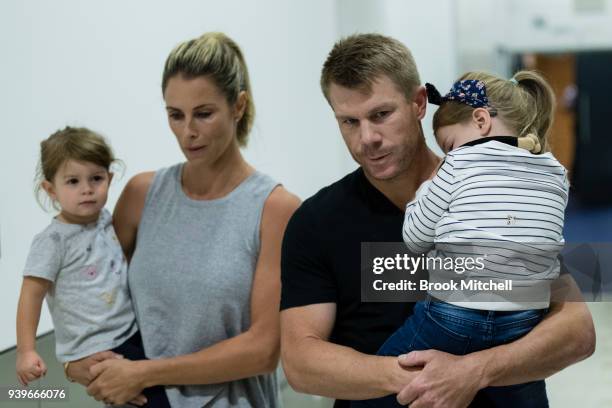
x=190, y=279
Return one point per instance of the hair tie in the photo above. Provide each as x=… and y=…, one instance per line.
x=468, y=91
x=514, y=81
x=530, y=142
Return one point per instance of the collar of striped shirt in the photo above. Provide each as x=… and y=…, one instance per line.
x=509, y=140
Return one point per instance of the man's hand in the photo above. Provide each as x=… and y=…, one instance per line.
x=117, y=381
x=446, y=380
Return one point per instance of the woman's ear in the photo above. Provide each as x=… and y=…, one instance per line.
x=482, y=119
x=240, y=106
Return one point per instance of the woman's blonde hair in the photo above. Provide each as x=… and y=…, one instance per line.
x=70, y=143
x=217, y=56
x=525, y=104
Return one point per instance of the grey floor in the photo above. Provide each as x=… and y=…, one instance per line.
x=586, y=384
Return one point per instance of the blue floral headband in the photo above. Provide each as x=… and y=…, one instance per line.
x=470, y=92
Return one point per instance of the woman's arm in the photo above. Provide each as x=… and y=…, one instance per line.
x=253, y=352
x=30, y=365
x=128, y=211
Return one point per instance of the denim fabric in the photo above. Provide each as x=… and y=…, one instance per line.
x=458, y=330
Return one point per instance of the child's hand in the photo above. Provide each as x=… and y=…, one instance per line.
x=30, y=366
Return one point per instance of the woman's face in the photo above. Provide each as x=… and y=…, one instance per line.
x=202, y=120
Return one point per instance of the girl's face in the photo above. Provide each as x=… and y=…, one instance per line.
x=200, y=117
x=452, y=136
x=81, y=189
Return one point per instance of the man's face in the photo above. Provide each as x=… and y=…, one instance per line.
x=380, y=128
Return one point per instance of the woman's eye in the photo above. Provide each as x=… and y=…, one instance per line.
x=203, y=115
x=175, y=116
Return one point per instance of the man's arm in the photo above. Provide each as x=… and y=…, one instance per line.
x=564, y=337
x=313, y=365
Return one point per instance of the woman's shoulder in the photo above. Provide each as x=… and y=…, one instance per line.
x=280, y=198
x=279, y=207
x=140, y=183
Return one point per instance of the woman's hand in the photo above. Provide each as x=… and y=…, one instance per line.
x=117, y=381
x=78, y=370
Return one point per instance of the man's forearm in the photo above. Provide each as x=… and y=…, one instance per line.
x=316, y=366
x=564, y=337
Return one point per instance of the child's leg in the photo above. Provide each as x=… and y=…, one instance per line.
x=132, y=349
x=509, y=327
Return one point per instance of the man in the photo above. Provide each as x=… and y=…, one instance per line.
x=327, y=334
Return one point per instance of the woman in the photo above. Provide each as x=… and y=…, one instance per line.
x=204, y=240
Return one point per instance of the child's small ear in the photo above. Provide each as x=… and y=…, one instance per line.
x=110, y=177
x=482, y=119
x=49, y=189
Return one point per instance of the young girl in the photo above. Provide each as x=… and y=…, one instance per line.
x=77, y=263
x=497, y=204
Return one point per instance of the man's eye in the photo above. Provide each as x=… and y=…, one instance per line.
x=381, y=115
x=349, y=122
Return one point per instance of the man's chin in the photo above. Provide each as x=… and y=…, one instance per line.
x=381, y=174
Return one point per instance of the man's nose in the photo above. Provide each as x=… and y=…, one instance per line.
x=369, y=134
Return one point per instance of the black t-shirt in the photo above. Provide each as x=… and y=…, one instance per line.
x=321, y=259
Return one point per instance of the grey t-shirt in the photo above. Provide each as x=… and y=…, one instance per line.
x=89, y=300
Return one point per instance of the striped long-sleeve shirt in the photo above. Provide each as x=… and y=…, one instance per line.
x=497, y=203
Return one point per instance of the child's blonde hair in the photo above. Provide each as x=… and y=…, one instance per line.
x=525, y=104
x=70, y=143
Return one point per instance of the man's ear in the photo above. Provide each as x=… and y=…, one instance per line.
x=49, y=189
x=482, y=119
x=420, y=102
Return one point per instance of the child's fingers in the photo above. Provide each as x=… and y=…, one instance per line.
x=21, y=380
x=43, y=367
x=31, y=376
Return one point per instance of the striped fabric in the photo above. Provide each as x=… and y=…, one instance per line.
x=496, y=200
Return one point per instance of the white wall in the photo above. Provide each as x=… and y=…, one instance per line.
x=427, y=29
x=99, y=64
x=490, y=30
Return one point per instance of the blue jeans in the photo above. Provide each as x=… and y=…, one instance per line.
x=458, y=330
